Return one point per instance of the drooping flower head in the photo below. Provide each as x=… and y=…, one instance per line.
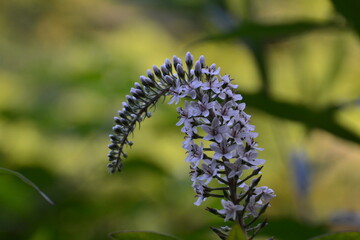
x=219, y=140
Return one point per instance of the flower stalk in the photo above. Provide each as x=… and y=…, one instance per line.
x=219, y=139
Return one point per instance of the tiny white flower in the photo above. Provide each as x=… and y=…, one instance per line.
x=202, y=107
x=230, y=209
x=225, y=111
x=211, y=70
x=222, y=149
x=213, y=85
x=215, y=131
x=200, y=191
x=177, y=92
x=253, y=207
x=195, y=153
x=190, y=88
x=267, y=193
x=210, y=170
x=226, y=78
x=184, y=114
x=236, y=168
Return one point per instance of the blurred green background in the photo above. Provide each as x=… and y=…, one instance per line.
x=66, y=66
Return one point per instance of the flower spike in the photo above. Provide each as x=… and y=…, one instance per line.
x=213, y=116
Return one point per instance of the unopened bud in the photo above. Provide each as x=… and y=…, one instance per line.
x=197, y=70
x=113, y=146
x=176, y=61
x=164, y=70
x=168, y=65
x=180, y=71
x=117, y=120
x=157, y=71
x=189, y=60
x=117, y=129
x=202, y=61
x=138, y=85
x=169, y=80
x=150, y=74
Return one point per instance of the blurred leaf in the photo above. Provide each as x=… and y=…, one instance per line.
x=259, y=52
x=336, y=63
x=260, y=32
x=127, y=235
x=289, y=228
x=236, y=233
x=339, y=236
x=323, y=119
x=350, y=10
x=27, y=181
x=138, y=164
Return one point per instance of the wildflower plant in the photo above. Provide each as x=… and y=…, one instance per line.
x=219, y=139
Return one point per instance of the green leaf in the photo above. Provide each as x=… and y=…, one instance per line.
x=285, y=228
x=236, y=233
x=270, y=32
x=27, y=181
x=137, y=235
x=339, y=236
x=321, y=119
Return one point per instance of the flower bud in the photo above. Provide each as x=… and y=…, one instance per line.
x=202, y=61
x=112, y=155
x=176, y=61
x=113, y=146
x=130, y=100
x=169, y=80
x=114, y=138
x=122, y=114
x=197, y=70
x=117, y=129
x=150, y=74
x=157, y=71
x=137, y=93
x=189, y=60
x=164, y=70
x=168, y=65
x=117, y=120
x=148, y=83
x=180, y=71
x=124, y=122
x=138, y=85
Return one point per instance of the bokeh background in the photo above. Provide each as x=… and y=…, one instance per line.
x=65, y=67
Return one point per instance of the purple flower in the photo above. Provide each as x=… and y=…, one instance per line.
x=212, y=71
x=213, y=85
x=200, y=193
x=225, y=111
x=184, y=114
x=226, y=78
x=202, y=107
x=236, y=134
x=253, y=206
x=177, y=92
x=215, y=131
x=210, y=170
x=266, y=193
x=230, y=209
x=195, y=153
x=222, y=149
x=190, y=88
x=236, y=168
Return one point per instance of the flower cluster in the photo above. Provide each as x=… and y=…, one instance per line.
x=219, y=139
